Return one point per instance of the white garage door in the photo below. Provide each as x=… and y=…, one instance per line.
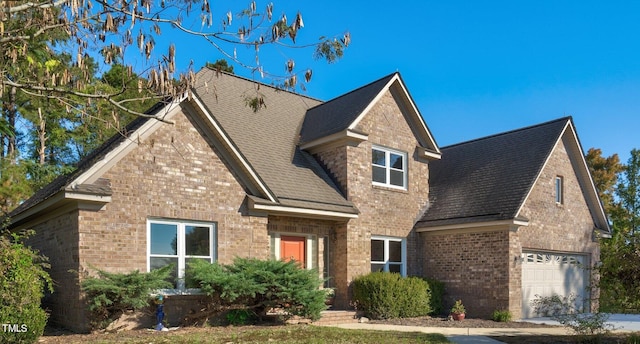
x=546, y=274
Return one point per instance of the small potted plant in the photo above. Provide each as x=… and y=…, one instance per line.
x=330, y=296
x=458, y=311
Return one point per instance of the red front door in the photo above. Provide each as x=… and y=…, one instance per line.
x=293, y=248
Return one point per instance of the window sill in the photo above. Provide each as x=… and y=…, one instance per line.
x=389, y=188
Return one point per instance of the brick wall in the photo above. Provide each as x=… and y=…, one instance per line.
x=482, y=268
x=57, y=239
x=175, y=174
x=474, y=266
x=383, y=211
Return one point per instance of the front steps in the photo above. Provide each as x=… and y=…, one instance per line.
x=337, y=317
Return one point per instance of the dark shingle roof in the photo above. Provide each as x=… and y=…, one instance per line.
x=337, y=114
x=269, y=138
x=488, y=179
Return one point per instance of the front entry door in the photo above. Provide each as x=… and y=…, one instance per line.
x=293, y=248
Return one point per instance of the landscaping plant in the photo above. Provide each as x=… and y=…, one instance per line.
x=111, y=294
x=501, y=315
x=23, y=281
x=383, y=295
x=261, y=285
x=436, y=289
x=563, y=309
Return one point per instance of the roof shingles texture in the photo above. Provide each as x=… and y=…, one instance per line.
x=489, y=178
x=269, y=138
x=338, y=114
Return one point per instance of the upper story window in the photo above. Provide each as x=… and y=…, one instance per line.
x=176, y=243
x=388, y=254
x=389, y=167
x=559, y=190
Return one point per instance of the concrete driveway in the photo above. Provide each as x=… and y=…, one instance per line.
x=622, y=322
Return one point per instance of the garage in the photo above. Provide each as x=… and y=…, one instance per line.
x=546, y=274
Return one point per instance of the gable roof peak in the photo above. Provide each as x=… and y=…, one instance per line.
x=376, y=84
x=217, y=73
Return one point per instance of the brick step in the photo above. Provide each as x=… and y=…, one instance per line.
x=337, y=317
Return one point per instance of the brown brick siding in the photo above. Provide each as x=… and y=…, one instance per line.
x=383, y=211
x=475, y=267
x=483, y=268
x=57, y=239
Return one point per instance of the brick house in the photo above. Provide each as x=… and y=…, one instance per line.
x=348, y=186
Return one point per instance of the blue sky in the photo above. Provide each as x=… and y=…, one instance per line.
x=476, y=68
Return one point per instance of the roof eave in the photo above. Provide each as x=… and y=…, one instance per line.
x=428, y=154
x=82, y=200
x=347, y=136
x=264, y=206
x=512, y=224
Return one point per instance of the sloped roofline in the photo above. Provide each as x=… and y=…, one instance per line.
x=584, y=176
x=431, y=149
x=414, y=110
x=564, y=129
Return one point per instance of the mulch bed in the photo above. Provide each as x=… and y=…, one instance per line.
x=428, y=321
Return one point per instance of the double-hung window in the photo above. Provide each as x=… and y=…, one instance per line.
x=389, y=167
x=176, y=243
x=388, y=254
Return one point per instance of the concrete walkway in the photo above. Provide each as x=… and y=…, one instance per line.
x=621, y=323
x=461, y=335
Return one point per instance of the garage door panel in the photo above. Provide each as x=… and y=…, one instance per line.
x=546, y=274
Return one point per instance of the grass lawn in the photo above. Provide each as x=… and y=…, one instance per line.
x=250, y=334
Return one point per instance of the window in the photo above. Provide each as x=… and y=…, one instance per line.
x=388, y=254
x=389, y=167
x=559, y=190
x=177, y=243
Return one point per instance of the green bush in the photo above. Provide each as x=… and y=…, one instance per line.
x=111, y=294
x=436, y=302
x=501, y=315
x=383, y=295
x=261, y=285
x=23, y=281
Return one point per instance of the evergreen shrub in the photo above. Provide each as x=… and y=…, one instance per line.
x=436, y=302
x=23, y=281
x=383, y=295
x=261, y=285
x=111, y=294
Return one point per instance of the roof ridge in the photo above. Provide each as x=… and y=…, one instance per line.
x=275, y=88
x=356, y=89
x=562, y=119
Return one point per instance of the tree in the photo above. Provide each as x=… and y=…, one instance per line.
x=619, y=187
x=107, y=28
x=220, y=65
x=604, y=172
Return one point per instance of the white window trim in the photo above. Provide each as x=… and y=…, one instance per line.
x=311, y=263
x=559, y=189
x=181, y=254
x=388, y=168
x=403, y=253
